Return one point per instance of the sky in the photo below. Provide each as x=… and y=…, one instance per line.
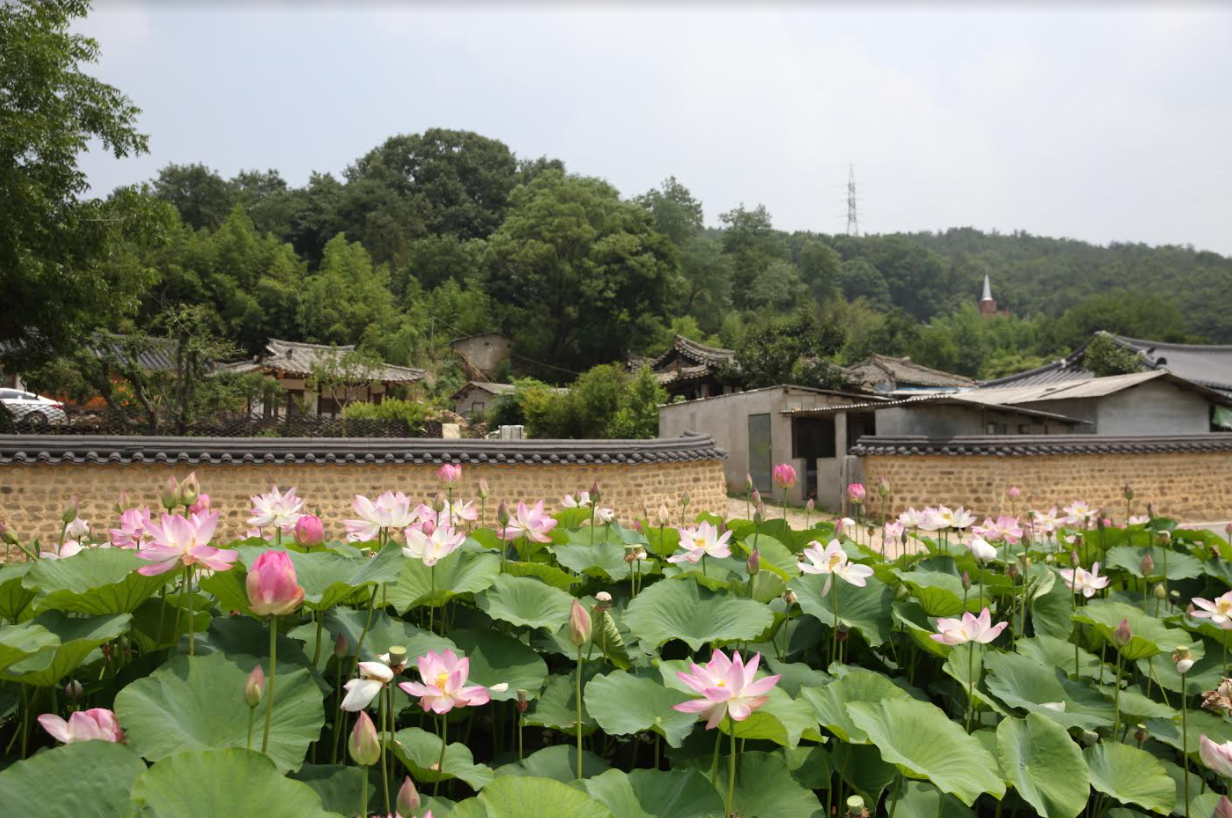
x=1103, y=122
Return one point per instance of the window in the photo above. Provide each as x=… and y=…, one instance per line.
x=476, y=407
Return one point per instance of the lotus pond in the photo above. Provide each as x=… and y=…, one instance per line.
x=460, y=657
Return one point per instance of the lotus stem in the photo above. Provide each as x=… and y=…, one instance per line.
x=319, y=616
x=440, y=762
x=252, y=717
x=383, y=715
x=269, y=688
x=192, y=630
x=431, y=598
x=1116, y=699
x=834, y=647
x=714, y=761
x=579, y=713
x=1184, y=740
x=363, y=793
x=970, y=684
x=731, y=768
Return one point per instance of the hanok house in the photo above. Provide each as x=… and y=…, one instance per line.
x=476, y=397
x=812, y=429
x=692, y=370
x=886, y=375
x=482, y=354
x=293, y=363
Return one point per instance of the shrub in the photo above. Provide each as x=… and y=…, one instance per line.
x=415, y=414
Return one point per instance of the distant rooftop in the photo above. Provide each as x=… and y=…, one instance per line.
x=902, y=372
x=296, y=358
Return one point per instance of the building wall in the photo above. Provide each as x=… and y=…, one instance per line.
x=1192, y=486
x=483, y=354
x=472, y=394
x=32, y=496
x=934, y=421
x=1154, y=408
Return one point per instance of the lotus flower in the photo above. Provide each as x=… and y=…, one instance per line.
x=893, y=530
x=282, y=511
x=856, y=492
x=364, y=744
x=1079, y=513
x=373, y=677
x=309, y=530
x=702, y=541
x=273, y=588
x=603, y=516
x=444, y=683
x=77, y=528
x=728, y=687
x=133, y=530
x=910, y=518
x=433, y=547
x=981, y=549
x=1003, y=528
x=968, y=629
x=181, y=541
x=450, y=473
x=1046, y=521
x=579, y=624
x=389, y=511
x=784, y=475
x=581, y=501
x=532, y=522
x=1217, y=757
x=1219, y=611
x=66, y=549
x=201, y=506
x=1087, y=582
x=254, y=687
x=833, y=562
x=96, y=724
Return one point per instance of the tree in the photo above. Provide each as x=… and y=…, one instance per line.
x=344, y=375
x=200, y=195
x=706, y=281
x=859, y=279
x=1104, y=356
x=1123, y=312
x=580, y=276
x=819, y=268
x=348, y=297
x=752, y=243
x=790, y=350
x=676, y=214
x=57, y=271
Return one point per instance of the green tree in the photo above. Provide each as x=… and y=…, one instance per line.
x=1123, y=312
x=706, y=275
x=348, y=300
x=1104, y=357
x=752, y=243
x=790, y=350
x=819, y=268
x=857, y=278
x=676, y=214
x=58, y=271
x=200, y=195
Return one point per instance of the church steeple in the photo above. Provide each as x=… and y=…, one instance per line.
x=988, y=304
x=987, y=290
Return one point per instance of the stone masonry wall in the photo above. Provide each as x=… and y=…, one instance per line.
x=32, y=496
x=1192, y=487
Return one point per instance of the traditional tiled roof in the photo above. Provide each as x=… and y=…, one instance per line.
x=497, y=388
x=903, y=372
x=297, y=359
x=694, y=351
x=1027, y=445
x=53, y=449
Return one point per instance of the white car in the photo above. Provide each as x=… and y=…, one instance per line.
x=31, y=410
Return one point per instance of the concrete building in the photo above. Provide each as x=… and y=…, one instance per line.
x=810, y=428
x=482, y=354
x=476, y=397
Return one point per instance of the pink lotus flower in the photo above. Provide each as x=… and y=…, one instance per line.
x=389, y=511
x=433, y=547
x=309, y=530
x=728, y=687
x=77, y=528
x=180, y=541
x=1013, y=492
x=843, y=524
x=1217, y=757
x=96, y=724
x=893, y=530
x=273, y=588
x=66, y=549
x=581, y=501
x=282, y=511
x=1046, y=521
x=1219, y=611
x=202, y=505
x=459, y=512
x=373, y=677
x=134, y=526
x=444, y=683
x=533, y=523
x=1004, y=528
x=704, y=540
x=1085, y=582
x=856, y=492
x=449, y=473
x=785, y=475
x=1079, y=513
x=910, y=518
x=968, y=629
x=833, y=562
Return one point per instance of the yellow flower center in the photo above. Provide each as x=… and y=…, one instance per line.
x=722, y=683
x=441, y=679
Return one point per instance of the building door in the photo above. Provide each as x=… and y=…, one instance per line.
x=812, y=439
x=760, y=461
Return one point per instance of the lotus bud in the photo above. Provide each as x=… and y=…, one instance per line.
x=254, y=687
x=810, y=506
x=170, y=496
x=1102, y=522
x=1223, y=809
x=1174, y=595
x=121, y=504
x=1146, y=566
x=428, y=527
x=397, y=658
x=579, y=624
x=1121, y=634
x=1090, y=738
x=408, y=799
x=1013, y=492
x=1073, y=558
x=966, y=581
x=7, y=535
x=754, y=563
x=663, y=516
x=73, y=690
x=883, y=488
x=483, y=489
x=1128, y=491
x=842, y=632
x=70, y=511
x=438, y=502
x=790, y=597
x=1159, y=592
x=340, y=646
x=522, y=703
x=190, y=490
x=1183, y=658
x=502, y=513
x=272, y=586
x=449, y=473
x=309, y=531
x=364, y=744
x=755, y=497
x=856, y=492
x=748, y=482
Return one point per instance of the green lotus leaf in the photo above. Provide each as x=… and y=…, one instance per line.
x=155, y=621
x=419, y=751
x=766, y=788
x=19, y=642
x=1129, y=559
x=830, y=702
x=965, y=661
x=1199, y=723
x=530, y=797
x=496, y=658
x=462, y=572
x=193, y=703
x=1150, y=636
x=1131, y=776
x=337, y=786
x=525, y=602
x=864, y=609
x=557, y=705
x=558, y=763
x=624, y=704
x=1044, y=765
x=677, y=609
x=1021, y=682
x=330, y=578
x=211, y=783
x=795, y=675
x=97, y=581
x=924, y=743
x=862, y=766
x=604, y=560
x=544, y=573
x=90, y=779
x=1050, y=611
x=774, y=555
x=1051, y=651
x=15, y=598
x=384, y=632
x=915, y=799
x=646, y=793
x=940, y=593
x=78, y=637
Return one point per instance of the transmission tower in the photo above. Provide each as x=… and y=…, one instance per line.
x=853, y=218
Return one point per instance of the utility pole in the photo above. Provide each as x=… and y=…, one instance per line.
x=853, y=219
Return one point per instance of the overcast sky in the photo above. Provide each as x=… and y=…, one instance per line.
x=1105, y=124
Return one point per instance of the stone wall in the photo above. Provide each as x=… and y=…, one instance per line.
x=35, y=484
x=1186, y=481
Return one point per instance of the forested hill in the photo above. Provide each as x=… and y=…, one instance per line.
x=435, y=235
